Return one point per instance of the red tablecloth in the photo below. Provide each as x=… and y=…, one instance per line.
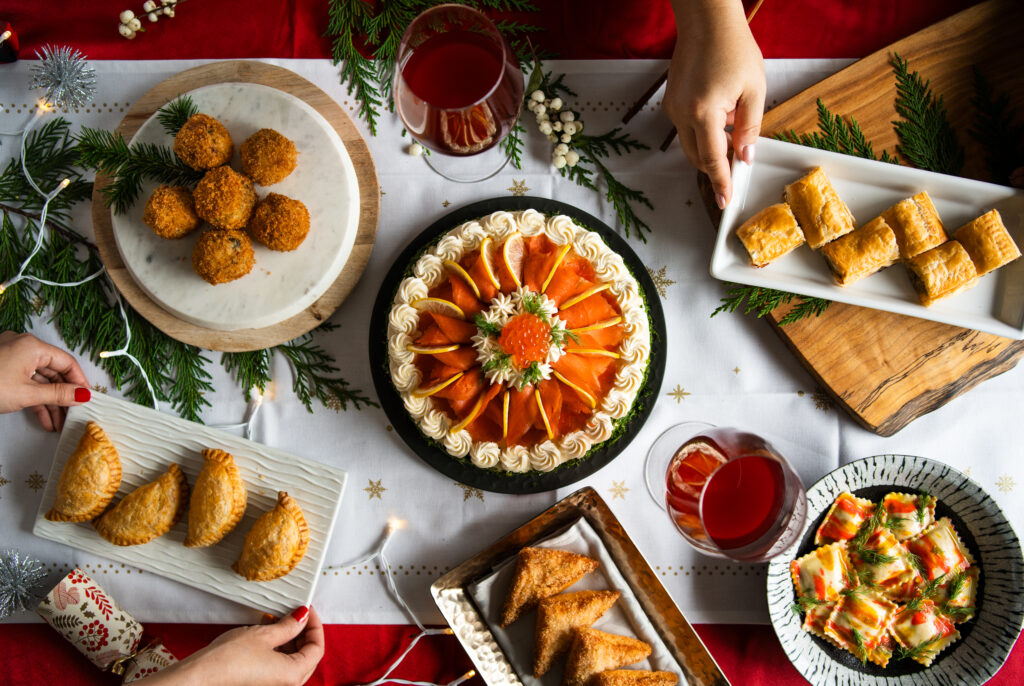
x=578, y=29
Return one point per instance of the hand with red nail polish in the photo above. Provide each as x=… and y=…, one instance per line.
x=279, y=654
x=39, y=377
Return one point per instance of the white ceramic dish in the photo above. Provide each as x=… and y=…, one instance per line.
x=147, y=442
x=994, y=305
x=281, y=284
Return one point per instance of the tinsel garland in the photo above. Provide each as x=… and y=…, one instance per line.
x=21, y=582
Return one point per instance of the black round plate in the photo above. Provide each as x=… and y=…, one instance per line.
x=462, y=470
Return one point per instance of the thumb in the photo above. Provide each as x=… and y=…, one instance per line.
x=747, y=126
x=63, y=394
x=286, y=628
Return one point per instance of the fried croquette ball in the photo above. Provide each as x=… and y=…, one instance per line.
x=222, y=256
x=279, y=222
x=225, y=198
x=170, y=212
x=203, y=143
x=267, y=157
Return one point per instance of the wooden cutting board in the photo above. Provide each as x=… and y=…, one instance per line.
x=887, y=370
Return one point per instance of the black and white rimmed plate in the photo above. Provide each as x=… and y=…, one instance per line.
x=985, y=641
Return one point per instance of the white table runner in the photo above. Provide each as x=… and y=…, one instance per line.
x=731, y=370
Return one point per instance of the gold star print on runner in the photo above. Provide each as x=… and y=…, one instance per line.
x=36, y=481
x=618, y=490
x=661, y=280
x=678, y=393
x=470, y=492
x=1005, y=483
x=518, y=188
x=375, y=489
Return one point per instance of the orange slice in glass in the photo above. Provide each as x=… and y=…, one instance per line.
x=439, y=306
x=562, y=252
x=584, y=295
x=469, y=130
x=456, y=268
x=587, y=398
x=440, y=386
x=598, y=325
x=543, y=414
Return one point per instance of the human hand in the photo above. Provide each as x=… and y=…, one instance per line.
x=716, y=78
x=40, y=377
x=249, y=656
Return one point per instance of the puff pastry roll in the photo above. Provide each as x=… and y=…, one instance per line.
x=988, y=242
x=859, y=623
x=89, y=480
x=276, y=542
x=923, y=631
x=940, y=550
x=770, y=234
x=845, y=516
x=218, y=500
x=148, y=512
x=822, y=214
x=942, y=272
x=908, y=515
x=916, y=224
x=861, y=252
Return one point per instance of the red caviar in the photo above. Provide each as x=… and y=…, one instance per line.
x=526, y=338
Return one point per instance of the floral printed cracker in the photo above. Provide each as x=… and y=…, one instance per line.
x=823, y=573
x=940, y=550
x=844, y=519
x=908, y=515
x=859, y=624
x=923, y=632
x=881, y=558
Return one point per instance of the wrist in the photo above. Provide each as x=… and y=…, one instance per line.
x=695, y=17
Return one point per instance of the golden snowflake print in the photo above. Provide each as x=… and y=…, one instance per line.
x=822, y=401
x=618, y=490
x=375, y=489
x=678, y=393
x=518, y=188
x=661, y=280
x=1005, y=483
x=36, y=481
x=470, y=492
x=445, y=203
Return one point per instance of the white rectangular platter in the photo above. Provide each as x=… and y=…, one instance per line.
x=148, y=442
x=995, y=305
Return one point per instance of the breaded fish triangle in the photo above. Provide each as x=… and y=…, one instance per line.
x=558, y=616
x=635, y=677
x=595, y=651
x=541, y=573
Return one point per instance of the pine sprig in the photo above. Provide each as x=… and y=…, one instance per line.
x=250, y=369
x=762, y=301
x=513, y=145
x=174, y=114
x=314, y=374
x=995, y=128
x=838, y=135
x=16, y=300
x=927, y=138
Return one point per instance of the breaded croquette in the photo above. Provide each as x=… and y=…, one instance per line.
x=170, y=212
x=225, y=198
x=203, y=143
x=279, y=222
x=267, y=157
x=222, y=256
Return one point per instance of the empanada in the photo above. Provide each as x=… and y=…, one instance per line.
x=595, y=651
x=541, y=573
x=218, y=500
x=941, y=272
x=89, y=480
x=988, y=242
x=558, y=615
x=635, y=677
x=916, y=224
x=862, y=252
x=276, y=542
x=822, y=214
x=770, y=234
x=148, y=512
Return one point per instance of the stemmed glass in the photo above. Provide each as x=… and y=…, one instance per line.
x=729, y=492
x=458, y=90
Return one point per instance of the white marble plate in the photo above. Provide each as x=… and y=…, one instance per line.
x=148, y=442
x=281, y=284
x=995, y=304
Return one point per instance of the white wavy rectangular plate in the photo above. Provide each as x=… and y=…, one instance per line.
x=148, y=442
x=994, y=305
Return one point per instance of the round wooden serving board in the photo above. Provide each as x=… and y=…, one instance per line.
x=369, y=208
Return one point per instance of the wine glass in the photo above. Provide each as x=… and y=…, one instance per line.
x=729, y=492
x=458, y=90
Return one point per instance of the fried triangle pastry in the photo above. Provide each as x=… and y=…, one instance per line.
x=276, y=542
x=89, y=480
x=635, y=677
x=541, y=573
x=148, y=512
x=595, y=651
x=558, y=615
x=218, y=500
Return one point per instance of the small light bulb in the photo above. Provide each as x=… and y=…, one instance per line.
x=104, y=354
x=5, y=35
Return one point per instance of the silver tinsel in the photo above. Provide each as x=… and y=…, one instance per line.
x=21, y=579
x=68, y=79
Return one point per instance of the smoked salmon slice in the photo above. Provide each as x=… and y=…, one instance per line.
x=541, y=254
x=463, y=358
x=589, y=373
x=476, y=269
x=573, y=276
x=596, y=308
x=463, y=296
x=522, y=411
x=439, y=329
x=551, y=397
x=465, y=389
x=608, y=338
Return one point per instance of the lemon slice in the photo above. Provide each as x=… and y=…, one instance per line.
x=471, y=417
x=431, y=390
x=584, y=295
x=457, y=269
x=601, y=352
x=432, y=349
x=543, y=414
x=512, y=254
x=558, y=261
x=485, y=255
x=599, y=325
x=587, y=398
x=504, y=415
x=439, y=306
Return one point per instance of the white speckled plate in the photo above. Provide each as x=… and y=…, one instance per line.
x=985, y=641
x=147, y=442
x=280, y=284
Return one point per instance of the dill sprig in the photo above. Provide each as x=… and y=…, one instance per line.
x=499, y=360
x=763, y=301
x=174, y=114
x=924, y=499
x=869, y=526
x=532, y=374
x=874, y=558
x=861, y=649
x=956, y=612
x=533, y=303
x=806, y=603
x=559, y=336
x=917, y=651
x=486, y=327
x=995, y=128
x=927, y=138
x=926, y=592
x=915, y=561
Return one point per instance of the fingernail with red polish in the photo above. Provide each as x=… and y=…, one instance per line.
x=720, y=200
x=748, y=153
x=299, y=615
x=82, y=395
